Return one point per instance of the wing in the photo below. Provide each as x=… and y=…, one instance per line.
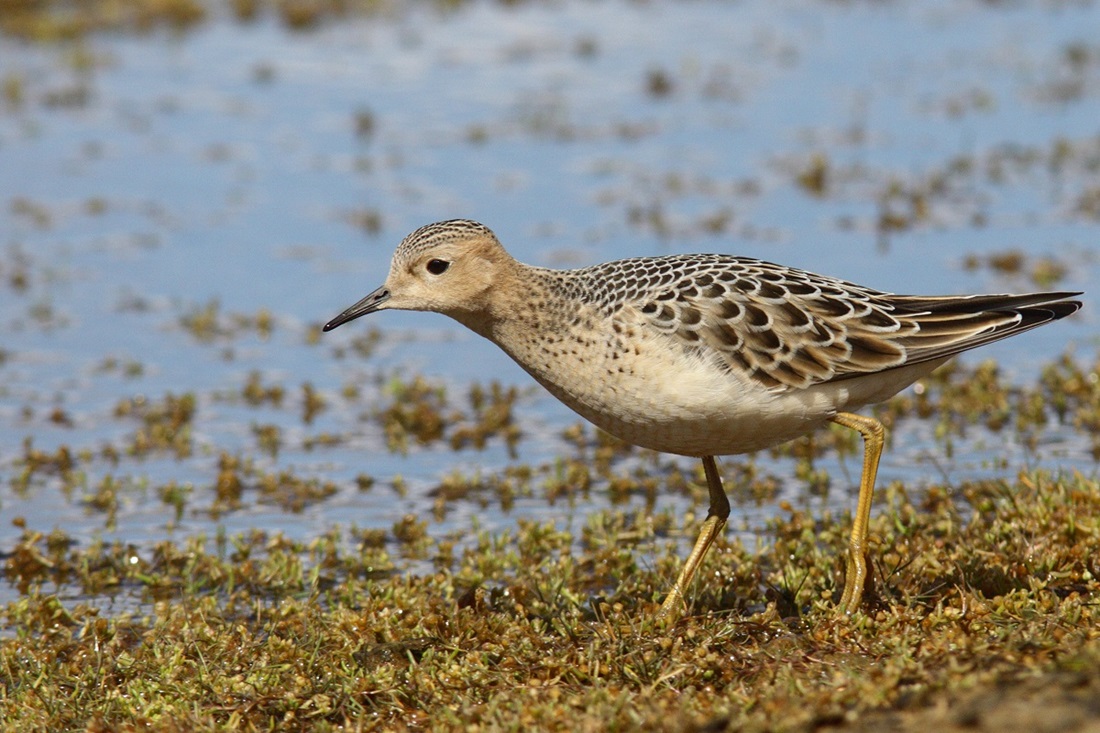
x=788, y=328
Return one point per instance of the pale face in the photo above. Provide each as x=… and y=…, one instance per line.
x=452, y=275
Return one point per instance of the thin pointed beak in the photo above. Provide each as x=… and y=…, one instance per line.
x=369, y=304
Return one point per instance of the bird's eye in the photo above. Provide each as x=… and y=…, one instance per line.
x=438, y=267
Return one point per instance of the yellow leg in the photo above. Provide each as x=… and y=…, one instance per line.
x=873, y=440
x=716, y=520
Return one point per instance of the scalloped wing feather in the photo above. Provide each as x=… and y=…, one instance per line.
x=791, y=329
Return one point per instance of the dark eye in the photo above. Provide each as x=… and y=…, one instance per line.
x=438, y=267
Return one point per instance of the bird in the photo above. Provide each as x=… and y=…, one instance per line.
x=703, y=355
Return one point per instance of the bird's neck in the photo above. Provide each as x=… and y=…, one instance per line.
x=525, y=301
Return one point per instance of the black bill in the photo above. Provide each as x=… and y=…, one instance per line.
x=369, y=304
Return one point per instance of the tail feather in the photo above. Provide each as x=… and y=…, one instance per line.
x=948, y=325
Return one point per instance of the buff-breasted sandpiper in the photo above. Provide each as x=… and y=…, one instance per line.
x=702, y=355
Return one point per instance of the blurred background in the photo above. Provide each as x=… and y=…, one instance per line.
x=189, y=189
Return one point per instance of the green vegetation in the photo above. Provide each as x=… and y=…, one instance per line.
x=984, y=587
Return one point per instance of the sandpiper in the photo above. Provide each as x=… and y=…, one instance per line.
x=702, y=355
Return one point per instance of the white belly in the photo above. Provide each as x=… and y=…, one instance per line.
x=675, y=403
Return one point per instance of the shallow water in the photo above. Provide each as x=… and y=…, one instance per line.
x=253, y=170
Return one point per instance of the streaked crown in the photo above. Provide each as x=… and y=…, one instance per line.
x=440, y=233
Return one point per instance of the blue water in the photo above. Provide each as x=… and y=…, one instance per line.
x=226, y=166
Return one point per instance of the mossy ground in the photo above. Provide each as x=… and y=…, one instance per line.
x=983, y=615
